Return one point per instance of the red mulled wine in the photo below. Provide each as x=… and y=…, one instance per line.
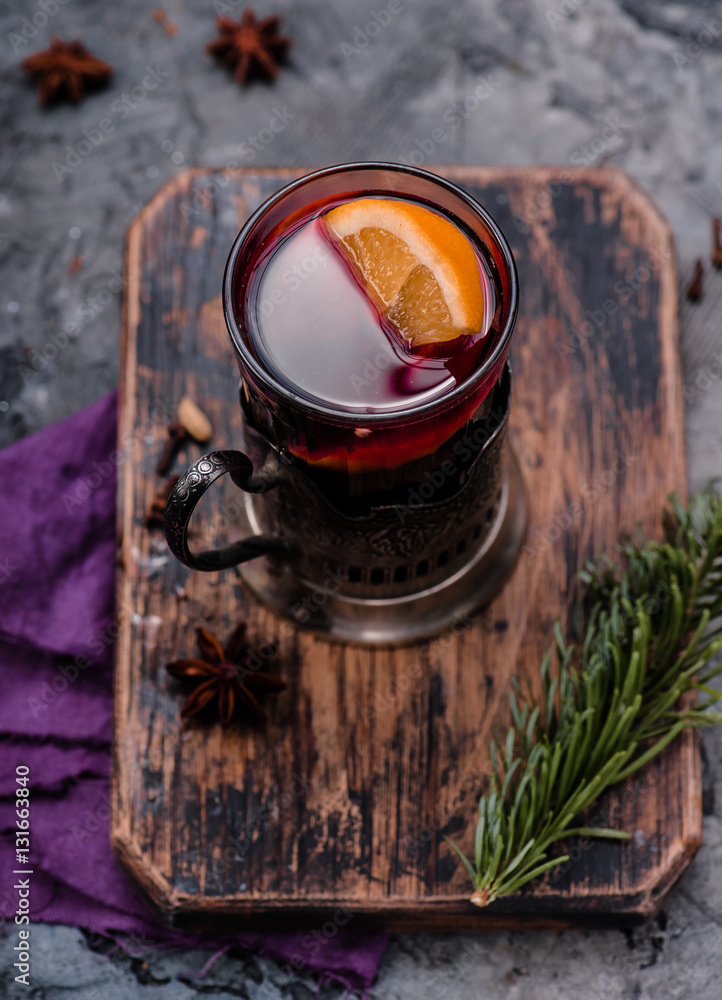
x=369, y=325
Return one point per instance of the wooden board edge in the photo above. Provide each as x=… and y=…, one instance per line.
x=152, y=883
x=121, y=665
x=432, y=914
x=130, y=317
x=424, y=914
x=610, y=177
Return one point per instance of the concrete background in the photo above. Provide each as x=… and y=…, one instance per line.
x=560, y=72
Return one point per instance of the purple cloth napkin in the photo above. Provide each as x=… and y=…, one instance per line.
x=57, y=550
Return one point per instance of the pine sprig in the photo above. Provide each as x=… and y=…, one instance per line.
x=650, y=630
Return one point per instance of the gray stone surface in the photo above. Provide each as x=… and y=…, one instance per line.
x=559, y=71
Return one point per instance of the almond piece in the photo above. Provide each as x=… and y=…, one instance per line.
x=194, y=420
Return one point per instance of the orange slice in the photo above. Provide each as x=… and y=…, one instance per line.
x=418, y=265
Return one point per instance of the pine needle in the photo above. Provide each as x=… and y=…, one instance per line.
x=610, y=706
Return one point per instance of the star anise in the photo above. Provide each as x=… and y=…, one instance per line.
x=249, y=46
x=66, y=69
x=224, y=676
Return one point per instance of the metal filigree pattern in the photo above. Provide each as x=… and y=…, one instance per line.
x=187, y=493
x=389, y=551
x=397, y=549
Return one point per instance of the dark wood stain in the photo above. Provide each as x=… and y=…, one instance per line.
x=371, y=755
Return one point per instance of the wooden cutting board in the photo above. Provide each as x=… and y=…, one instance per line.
x=371, y=755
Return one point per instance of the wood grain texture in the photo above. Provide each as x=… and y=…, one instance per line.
x=371, y=755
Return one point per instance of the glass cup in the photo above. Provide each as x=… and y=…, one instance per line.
x=413, y=500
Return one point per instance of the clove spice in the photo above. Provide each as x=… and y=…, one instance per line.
x=154, y=516
x=716, y=255
x=177, y=435
x=696, y=283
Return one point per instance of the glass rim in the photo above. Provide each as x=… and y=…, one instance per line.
x=410, y=414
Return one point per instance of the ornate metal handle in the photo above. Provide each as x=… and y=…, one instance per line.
x=190, y=488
